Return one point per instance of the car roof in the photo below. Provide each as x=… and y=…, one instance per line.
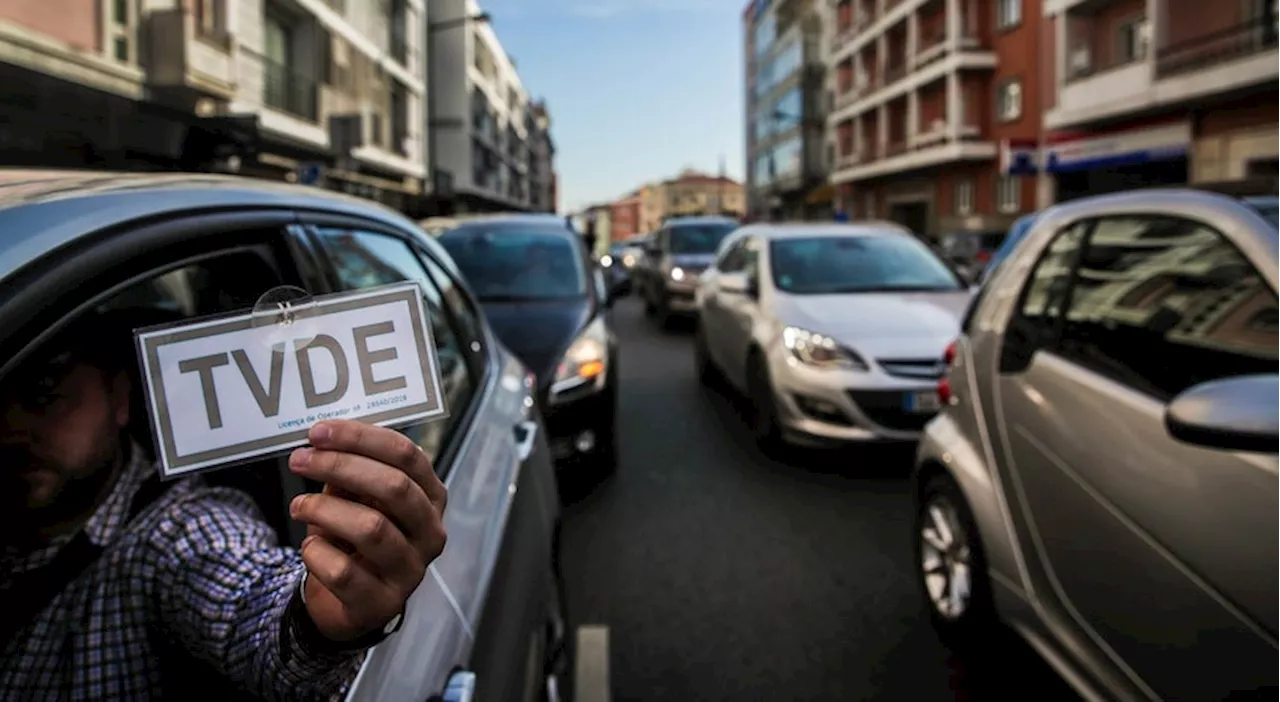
x=45, y=210
x=789, y=230
x=698, y=219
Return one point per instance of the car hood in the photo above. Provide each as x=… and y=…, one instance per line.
x=881, y=325
x=538, y=333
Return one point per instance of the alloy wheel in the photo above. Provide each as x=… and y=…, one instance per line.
x=946, y=559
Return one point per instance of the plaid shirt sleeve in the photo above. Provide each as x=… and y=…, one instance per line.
x=223, y=587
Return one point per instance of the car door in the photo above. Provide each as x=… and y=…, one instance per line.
x=483, y=597
x=1163, y=552
x=740, y=311
x=712, y=314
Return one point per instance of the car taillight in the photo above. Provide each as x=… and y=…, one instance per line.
x=983, y=256
x=944, y=385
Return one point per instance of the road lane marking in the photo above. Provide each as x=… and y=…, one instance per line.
x=591, y=667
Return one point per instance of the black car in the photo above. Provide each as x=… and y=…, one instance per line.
x=617, y=265
x=548, y=302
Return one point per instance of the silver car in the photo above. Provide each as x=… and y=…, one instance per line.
x=489, y=611
x=834, y=331
x=1103, y=477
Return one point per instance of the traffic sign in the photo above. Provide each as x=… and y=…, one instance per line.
x=309, y=173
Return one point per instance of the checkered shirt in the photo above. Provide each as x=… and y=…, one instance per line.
x=197, y=577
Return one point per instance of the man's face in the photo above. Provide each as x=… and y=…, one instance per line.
x=60, y=432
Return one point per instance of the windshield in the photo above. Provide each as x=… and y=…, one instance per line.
x=823, y=265
x=513, y=263
x=698, y=238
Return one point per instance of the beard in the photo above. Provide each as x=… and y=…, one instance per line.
x=38, y=496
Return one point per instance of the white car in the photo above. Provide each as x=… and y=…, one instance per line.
x=835, y=332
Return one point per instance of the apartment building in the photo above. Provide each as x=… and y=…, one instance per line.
x=485, y=127
x=1160, y=91
x=785, y=96
x=75, y=86
x=926, y=92
x=324, y=93
x=542, y=175
x=624, y=214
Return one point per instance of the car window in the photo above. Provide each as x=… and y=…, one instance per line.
x=1163, y=303
x=825, y=265
x=367, y=259
x=467, y=320
x=517, y=262
x=698, y=238
x=751, y=259
x=1036, y=317
x=733, y=258
x=223, y=283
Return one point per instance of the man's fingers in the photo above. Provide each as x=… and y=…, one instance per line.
x=344, y=576
x=384, y=445
x=347, y=475
x=376, y=540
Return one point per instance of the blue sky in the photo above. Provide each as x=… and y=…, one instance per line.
x=637, y=89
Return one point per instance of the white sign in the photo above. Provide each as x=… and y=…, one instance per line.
x=228, y=389
x=1170, y=139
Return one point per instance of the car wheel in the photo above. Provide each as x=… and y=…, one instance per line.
x=649, y=307
x=950, y=566
x=764, y=409
x=701, y=357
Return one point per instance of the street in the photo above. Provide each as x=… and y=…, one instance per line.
x=725, y=576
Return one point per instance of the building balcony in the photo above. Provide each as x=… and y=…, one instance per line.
x=186, y=53
x=1225, y=46
x=914, y=152
x=1178, y=74
x=906, y=80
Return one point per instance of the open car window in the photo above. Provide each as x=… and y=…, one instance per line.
x=218, y=284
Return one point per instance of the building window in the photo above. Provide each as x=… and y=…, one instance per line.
x=1009, y=101
x=211, y=17
x=1131, y=40
x=1008, y=13
x=120, y=30
x=964, y=197
x=1008, y=194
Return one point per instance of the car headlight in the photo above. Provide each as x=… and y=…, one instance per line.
x=586, y=361
x=819, y=350
x=606, y=260
x=677, y=273
x=628, y=260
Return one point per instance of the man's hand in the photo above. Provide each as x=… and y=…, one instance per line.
x=374, y=529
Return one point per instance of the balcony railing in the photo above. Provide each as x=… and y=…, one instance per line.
x=1210, y=49
x=287, y=90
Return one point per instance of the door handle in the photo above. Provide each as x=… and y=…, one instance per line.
x=460, y=688
x=526, y=434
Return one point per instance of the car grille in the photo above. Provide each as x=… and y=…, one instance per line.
x=887, y=408
x=915, y=368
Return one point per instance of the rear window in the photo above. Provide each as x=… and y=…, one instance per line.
x=699, y=238
x=516, y=262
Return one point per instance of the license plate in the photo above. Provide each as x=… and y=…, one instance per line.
x=923, y=402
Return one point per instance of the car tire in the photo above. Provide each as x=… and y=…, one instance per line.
x=764, y=409
x=649, y=308
x=662, y=312
x=950, y=566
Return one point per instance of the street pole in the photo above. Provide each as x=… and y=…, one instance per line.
x=429, y=97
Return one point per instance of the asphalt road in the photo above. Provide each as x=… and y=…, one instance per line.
x=726, y=576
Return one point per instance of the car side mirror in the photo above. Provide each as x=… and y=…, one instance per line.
x=1237, y=413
